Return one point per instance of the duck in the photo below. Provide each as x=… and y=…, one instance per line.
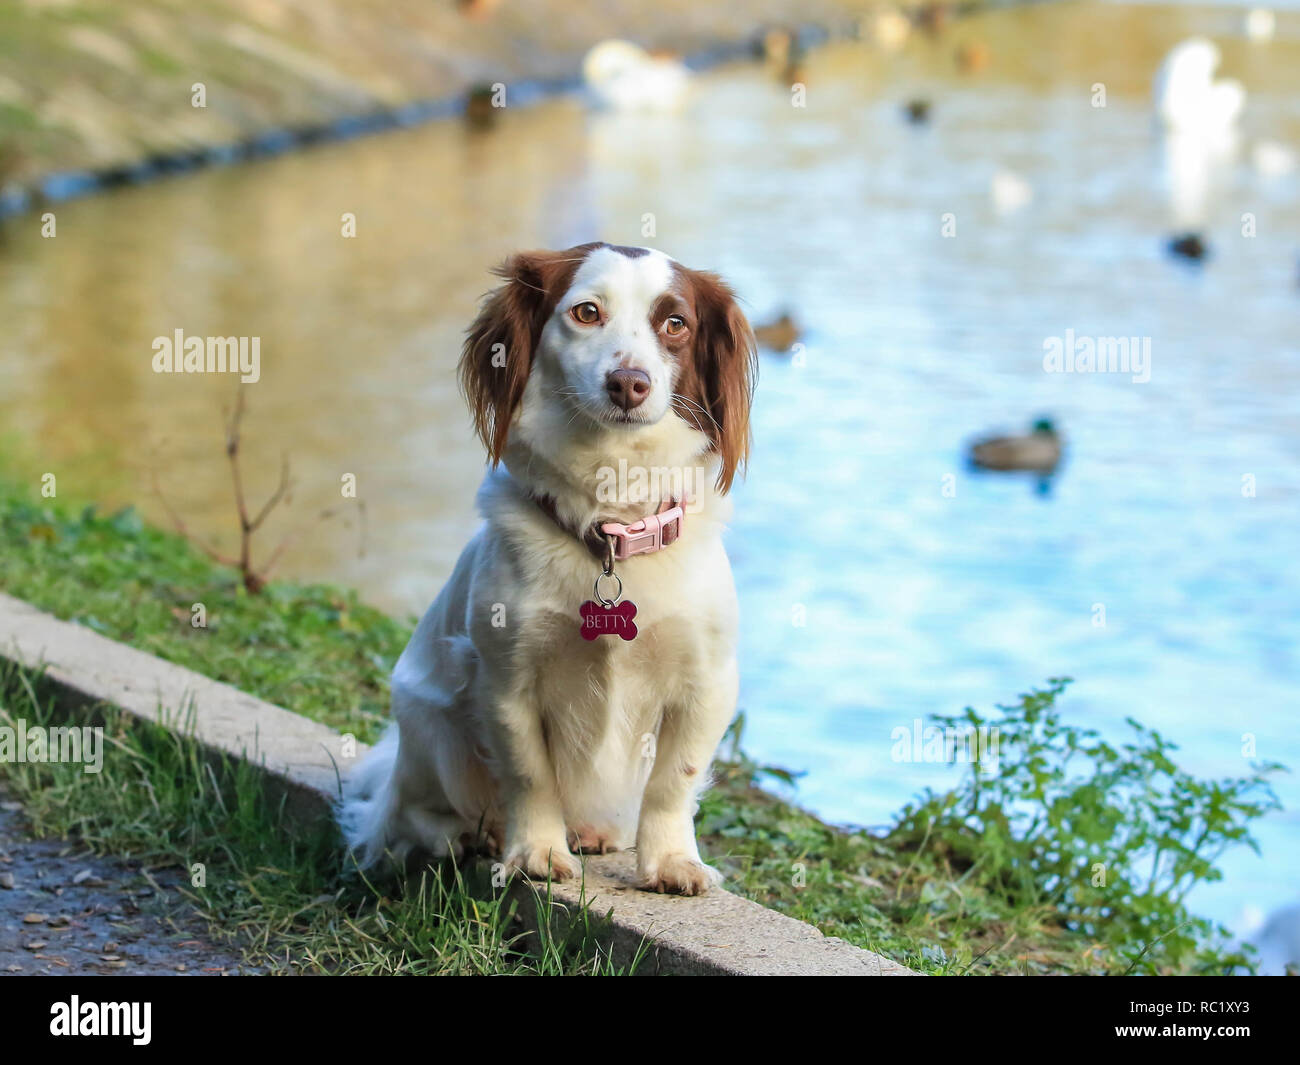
x=932, y=17
x=1272, y=160
x=622, y=76
x=783, y=51
x=778, y=45
x=779, y=335
x=972, y=57
x=917, y=111
x=1039, y=451
x=11, y=162
x=478, y=10
x=480, y=114
x=1009, y=191
x=1186, y=96
x=1189, y=246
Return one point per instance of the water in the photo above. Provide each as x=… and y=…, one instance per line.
x=916, y=601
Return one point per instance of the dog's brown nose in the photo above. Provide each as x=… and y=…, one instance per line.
x=628, y=388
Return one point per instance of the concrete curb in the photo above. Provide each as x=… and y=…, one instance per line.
x=716, y=934
x=298, y=755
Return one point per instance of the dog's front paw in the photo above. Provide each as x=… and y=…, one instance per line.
x=678, y=874
x=587, y=839
x=542, y=860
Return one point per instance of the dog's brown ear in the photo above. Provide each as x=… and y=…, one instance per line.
x=726, y=368
x=500, y=345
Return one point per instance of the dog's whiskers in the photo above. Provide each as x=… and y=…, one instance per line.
x=691, y=407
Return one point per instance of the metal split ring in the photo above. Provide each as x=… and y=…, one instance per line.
x=607, y=603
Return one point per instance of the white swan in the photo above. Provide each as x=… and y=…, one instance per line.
x=1188, y=99
x=622, y=76
x=890, y=29
x=1260, y=24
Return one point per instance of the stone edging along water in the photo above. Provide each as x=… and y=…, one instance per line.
x=714, y=934
x=70, y=184
x=276, y=140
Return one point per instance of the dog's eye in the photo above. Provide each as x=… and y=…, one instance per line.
x=675, y=325
x=586, y=312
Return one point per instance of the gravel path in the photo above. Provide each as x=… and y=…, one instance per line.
x=64, y=911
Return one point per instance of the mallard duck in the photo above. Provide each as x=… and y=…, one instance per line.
x=478, y=9
x=479, y=112
x=775, y=45
x=917, y=111
x=779, y=335
x=972, y=57
x=1189, y=246
x=1038, y=452
x=783, y=51
x=932, y=17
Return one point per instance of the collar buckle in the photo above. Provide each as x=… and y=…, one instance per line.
x=652, y=533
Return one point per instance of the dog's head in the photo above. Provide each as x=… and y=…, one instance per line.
x=619, y=338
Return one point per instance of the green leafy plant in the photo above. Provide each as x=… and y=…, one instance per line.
x=1109, y=838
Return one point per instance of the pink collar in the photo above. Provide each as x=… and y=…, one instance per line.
x=652, y=533
x=644, y=536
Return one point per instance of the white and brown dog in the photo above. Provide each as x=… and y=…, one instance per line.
x=524, y=716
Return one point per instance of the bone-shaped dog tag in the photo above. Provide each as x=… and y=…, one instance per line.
x=605, y=615
x=613, y=620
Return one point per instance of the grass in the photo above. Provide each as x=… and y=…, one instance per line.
x=315, y=650
x=997, y=875
x=280, y=897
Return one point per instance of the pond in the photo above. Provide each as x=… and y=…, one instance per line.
x=880, y=580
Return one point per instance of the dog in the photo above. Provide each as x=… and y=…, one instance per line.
x=536, y=713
